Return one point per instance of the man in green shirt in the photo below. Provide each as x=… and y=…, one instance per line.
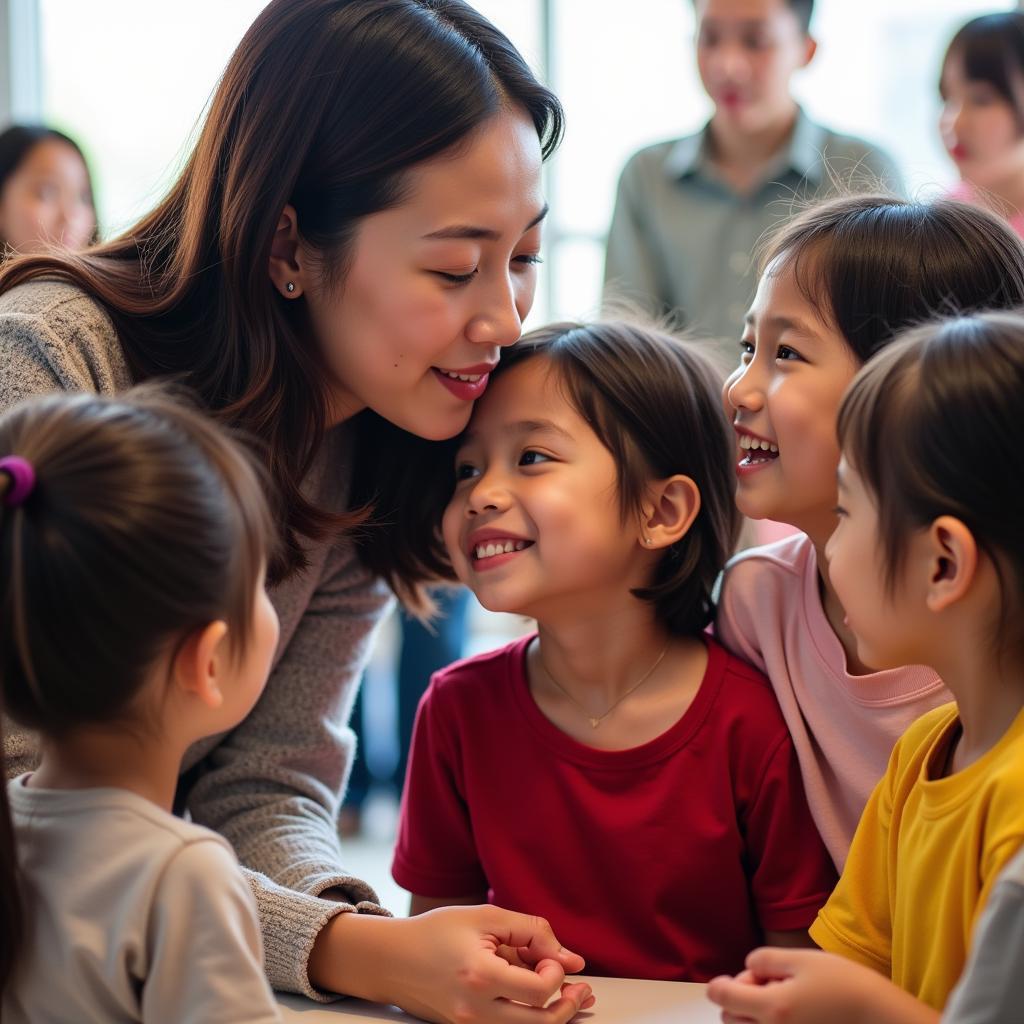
x=689, y=212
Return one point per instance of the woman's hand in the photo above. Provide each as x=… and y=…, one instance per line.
x=455, y=965
x=804, y=986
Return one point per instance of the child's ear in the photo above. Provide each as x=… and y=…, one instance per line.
x=952, y=562
x=669, y=511
x=200, y=663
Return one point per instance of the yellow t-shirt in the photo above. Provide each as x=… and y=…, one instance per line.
x=925, y=855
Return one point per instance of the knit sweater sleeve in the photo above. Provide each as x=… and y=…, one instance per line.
x=272, y=787
x=53, y=337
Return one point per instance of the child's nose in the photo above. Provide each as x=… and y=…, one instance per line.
x=487, y=496
x=744, y=389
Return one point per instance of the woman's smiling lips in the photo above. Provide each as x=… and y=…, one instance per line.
x=468, y=382
x=488, y=549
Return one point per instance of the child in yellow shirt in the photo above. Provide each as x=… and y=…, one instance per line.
x=928, y=562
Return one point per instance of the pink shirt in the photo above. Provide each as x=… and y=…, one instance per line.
x=965, y=192
x=843, y=726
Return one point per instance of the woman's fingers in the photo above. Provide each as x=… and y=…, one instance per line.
x=532, y=985
x=534, y=940
x=570, y=1001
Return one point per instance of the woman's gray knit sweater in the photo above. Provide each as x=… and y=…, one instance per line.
x=272, y=785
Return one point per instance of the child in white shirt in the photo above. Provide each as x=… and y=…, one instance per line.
x=133, y=622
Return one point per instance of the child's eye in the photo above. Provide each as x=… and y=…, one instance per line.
x=839, y=511
x=746, y=348
x=457, y=278
x=531, y=457
x=528, y=258
x=788, y=354
x=466, y=471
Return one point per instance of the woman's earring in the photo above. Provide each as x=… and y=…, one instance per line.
x=290, y=287
x=647, y=540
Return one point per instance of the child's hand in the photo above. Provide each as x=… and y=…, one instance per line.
x=805, y=986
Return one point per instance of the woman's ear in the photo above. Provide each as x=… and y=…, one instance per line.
x=286, y=258
x=669, y=511
x=200, y=663
x=951, y=561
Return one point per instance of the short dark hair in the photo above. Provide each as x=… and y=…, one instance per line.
x=655, y=403
x=803, y=9
x=991, y=49
x=931, y=427
x=873, y=265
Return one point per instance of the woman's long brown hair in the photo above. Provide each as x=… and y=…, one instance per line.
x=324, y=104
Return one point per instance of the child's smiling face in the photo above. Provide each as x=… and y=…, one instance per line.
x=784, y=398
x=535, y=517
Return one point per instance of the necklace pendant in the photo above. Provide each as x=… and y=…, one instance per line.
x=595, y=722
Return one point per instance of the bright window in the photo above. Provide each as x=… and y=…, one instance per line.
x=131, y=80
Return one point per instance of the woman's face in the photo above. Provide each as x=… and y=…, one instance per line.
x=435, y=286
x=47, y=200
x=980, y=130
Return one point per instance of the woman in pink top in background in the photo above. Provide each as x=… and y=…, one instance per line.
x=837, y=284
x=982, y=122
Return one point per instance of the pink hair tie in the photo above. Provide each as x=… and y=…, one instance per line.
x=23, y=478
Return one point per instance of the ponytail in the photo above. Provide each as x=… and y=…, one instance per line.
x=125, y=524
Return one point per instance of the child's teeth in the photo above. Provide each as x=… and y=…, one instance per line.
x=748, y=443
x=505, y=547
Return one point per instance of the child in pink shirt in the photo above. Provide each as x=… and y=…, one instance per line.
x=836, y=285
x=983, y=113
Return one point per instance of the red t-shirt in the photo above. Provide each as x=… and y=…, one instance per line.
x=664, y=861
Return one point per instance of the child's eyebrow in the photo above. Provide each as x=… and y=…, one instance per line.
x=522, y=427
x=540, y=426
x=788, y=323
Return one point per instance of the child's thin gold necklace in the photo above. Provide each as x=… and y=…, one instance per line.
x=595, y=722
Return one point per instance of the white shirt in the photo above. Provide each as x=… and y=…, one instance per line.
x=131, y=915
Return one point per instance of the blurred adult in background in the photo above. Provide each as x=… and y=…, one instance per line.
x=46, y=196
x=982, y=121
x=689, y=211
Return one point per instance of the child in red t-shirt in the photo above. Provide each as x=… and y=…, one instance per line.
x=618, y=773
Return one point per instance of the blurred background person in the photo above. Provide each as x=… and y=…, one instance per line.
x=46, y=195
x=982, y=120
x=689, y=211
